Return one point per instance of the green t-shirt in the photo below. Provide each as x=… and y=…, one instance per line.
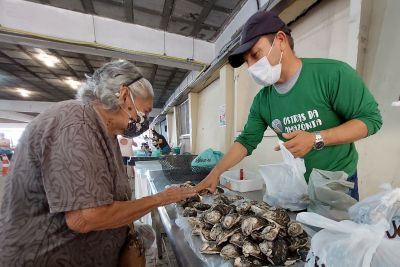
x=326, y=94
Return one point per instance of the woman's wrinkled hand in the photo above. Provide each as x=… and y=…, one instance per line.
x=175, y=194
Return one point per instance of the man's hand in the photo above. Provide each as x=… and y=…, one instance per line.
x=210, y=182
x=174, y=194
x=299, y=144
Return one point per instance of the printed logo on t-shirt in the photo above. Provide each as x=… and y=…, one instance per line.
x=277, y=126
x=305, y=121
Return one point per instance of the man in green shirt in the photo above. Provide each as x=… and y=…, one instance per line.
x=318, y=107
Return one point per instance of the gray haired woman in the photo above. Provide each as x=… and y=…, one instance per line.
x=67, y=197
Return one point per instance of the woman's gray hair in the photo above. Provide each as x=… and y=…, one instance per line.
x=105, y=83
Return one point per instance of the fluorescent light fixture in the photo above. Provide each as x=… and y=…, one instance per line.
x=48, y=60
x=23, y=92
x=74, y=84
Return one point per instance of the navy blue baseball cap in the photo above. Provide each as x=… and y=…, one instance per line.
x=259, y=24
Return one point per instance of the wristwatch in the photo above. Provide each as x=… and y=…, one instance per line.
x=319, y=141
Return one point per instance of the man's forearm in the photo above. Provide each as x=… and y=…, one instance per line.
x=235, y=154
x=345, y=133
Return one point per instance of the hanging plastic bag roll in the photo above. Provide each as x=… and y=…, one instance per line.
x=285, y=182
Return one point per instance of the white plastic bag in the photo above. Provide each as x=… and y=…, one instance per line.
x=286, y=186
x=328, y=194
x=383, y=205
x=345, y=243
x=148, y=236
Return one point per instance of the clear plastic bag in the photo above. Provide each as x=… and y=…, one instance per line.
x=148, y=236
x=383, y=205
x=345, y=243
x=328, y=194
x=286, y=186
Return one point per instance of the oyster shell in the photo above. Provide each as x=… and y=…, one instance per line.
x=216, y=231
x=237, y=239
x=242, y=261
x=244, y=206
x=252, y=249
x=207, y=192
x=260, y=208
x=251, y=224
x=210, y=248
x=279, y=252
x=278, y=215
x=230, y=252
x=205, y=235
x=271, y=231
x=189, y=212
x=223, y=209
x=212, y=216
x=230, y=220
x=201, y=206
x=225, y=235
x=266, y=248
x=292, y=259
x=294, y=229
x=298, y=242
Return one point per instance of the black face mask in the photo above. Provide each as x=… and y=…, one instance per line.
x=138, y=126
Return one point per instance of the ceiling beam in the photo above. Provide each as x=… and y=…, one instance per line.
x=129, y=10
x=203, y=15
x=51, y=94
x=215, y=7
x=88, y=6
x=24, y=106
x=15, y=116
x=153, y=74
x=45, y=2
x=29, y=54
x=165, y=89
x=87, y=63
x=65, y=64
x=167, y=11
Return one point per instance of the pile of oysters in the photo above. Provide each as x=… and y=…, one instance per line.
x=250, y=233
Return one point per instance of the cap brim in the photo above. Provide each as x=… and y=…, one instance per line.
x=236, y=58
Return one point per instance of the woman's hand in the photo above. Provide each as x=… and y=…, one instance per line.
x=174, y=194
x=210, y=182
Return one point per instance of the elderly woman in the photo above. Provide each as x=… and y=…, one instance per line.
x=67, y=197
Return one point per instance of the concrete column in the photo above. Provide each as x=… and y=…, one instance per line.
x=193, y=111
x=226, y=76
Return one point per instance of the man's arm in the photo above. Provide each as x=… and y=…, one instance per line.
x=235, y=154
x=302, y=142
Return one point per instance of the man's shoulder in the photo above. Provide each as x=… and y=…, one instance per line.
x=323, y=62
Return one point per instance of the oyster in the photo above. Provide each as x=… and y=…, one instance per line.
x=189, y=202
x=201, y=206
x=212, y=216
x=279, y=252
x=271, y=231
x=303, y=252
x=292, y=259
x=223, y=209
x=260, y=208
x=230, y=252
x=189, y=212
x=216, y=231
x=251, y=224
x=205, y=235
x=237, y=239
x=266, y=248
x=294, y=229
x=244, y=206
x=257, y=236
x=196, y=229
x=226, y=199
x=206, y=192
x=231, y=220
x=195, y=221
x=243, y=262
x=298, y=242
x=210, y=248
x=225, y=235
x=252, y=249
x=278, y=215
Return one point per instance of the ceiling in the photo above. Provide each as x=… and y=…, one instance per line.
x=20, y=68
x=203, y=19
